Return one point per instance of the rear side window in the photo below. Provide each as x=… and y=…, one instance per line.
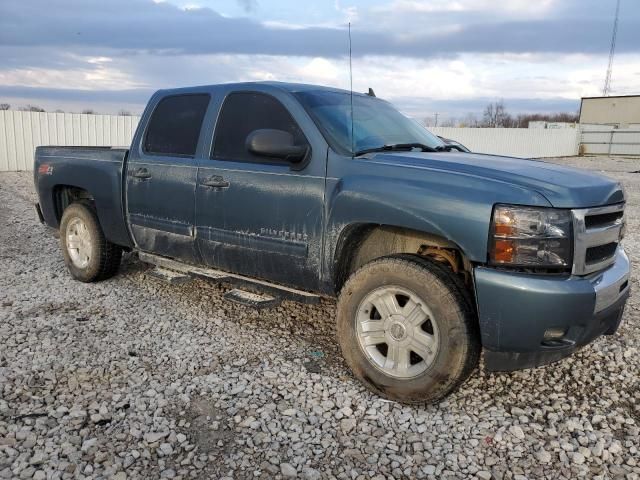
x=175, y=125
x=241, y=114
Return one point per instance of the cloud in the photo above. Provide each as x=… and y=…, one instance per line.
x=137, y=25
x=519, y=7
x=418, y=86
x=460, y=52
x=134, y=100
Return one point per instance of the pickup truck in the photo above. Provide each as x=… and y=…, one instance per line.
x=434, y=254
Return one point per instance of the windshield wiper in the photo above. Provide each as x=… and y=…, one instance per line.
x=396, y=147
x=445, y=148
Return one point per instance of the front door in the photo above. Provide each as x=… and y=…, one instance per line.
x=260, y=216
x=161, y=177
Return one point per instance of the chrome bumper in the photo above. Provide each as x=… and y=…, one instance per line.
x=612, y=283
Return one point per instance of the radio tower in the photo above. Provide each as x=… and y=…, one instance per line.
x=607, y=81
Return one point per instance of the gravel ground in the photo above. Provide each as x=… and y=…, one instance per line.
x=132, y=378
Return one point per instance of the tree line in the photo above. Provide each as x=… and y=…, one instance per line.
x=495, y=115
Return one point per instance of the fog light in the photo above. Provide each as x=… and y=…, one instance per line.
x=554, y=333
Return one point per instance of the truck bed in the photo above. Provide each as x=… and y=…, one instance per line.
x=113, y=154
x=96, y=170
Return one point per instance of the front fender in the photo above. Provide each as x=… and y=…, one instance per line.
x=454, y=206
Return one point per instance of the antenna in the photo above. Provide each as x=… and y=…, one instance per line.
x=353, y=153
x=607, y=81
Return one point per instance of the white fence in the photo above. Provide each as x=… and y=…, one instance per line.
x=610, y=140
x=22, y=132
x=516, y=142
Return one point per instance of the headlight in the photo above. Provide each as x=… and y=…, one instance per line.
x=530, y=237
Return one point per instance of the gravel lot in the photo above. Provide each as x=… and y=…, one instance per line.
x=132, y=378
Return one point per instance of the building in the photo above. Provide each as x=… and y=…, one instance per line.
x=618, y=111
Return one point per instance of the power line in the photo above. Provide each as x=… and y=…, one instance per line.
x=607, y=81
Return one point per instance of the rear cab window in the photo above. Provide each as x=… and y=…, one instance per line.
x=175, y=125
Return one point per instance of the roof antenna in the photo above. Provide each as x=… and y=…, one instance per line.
x=371, y=93
x=353, y=153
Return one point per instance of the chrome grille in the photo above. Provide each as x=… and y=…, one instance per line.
x=596, y=237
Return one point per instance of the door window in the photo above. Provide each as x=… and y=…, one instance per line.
x=241, y=114
x=174, y=127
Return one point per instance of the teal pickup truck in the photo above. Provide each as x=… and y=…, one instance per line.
x=299, y=191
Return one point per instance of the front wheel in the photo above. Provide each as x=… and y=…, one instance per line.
x=89, y=256
x=407, y=329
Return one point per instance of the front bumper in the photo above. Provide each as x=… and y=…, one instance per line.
x=515, y=310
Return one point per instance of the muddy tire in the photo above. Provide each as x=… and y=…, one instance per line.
x=89, y=256
x=407, y=329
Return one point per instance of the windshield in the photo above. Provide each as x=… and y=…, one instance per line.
x=376, y=123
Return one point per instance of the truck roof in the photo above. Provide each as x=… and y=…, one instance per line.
x=286, y=86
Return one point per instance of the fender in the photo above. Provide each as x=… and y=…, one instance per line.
x=454, y=206
x=98, y=171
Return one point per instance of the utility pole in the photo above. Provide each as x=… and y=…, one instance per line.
x=607, y=81
x=436, y=115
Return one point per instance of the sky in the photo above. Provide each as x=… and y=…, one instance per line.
x=450, y=57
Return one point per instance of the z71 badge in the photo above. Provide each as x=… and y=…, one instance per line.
x=45, y=169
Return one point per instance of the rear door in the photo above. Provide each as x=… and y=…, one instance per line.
x=260, y=216
x=161, y=177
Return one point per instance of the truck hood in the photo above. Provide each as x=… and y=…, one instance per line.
x=563, y=187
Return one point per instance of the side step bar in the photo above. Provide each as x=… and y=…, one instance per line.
x=250, y=299
x=169, y=276
x=275, y=290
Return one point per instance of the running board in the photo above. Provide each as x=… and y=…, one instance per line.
x=250, y=299
x=169, y=276
x=263, y=286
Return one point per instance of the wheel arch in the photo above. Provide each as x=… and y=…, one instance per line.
x=359, y=244
x=64, y=195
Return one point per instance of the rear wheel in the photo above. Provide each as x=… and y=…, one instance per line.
x=89, y=256
x=407, y=329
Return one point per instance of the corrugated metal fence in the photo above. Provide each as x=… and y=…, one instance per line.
x=516, y=142
x=22, y=132
x=610, y=140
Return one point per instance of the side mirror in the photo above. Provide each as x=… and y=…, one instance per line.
x=276, y=144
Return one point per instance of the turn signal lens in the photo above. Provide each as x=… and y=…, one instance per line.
x=504, y=230
x=503, y=251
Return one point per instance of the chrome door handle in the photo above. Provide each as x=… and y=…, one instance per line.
x=215, y=182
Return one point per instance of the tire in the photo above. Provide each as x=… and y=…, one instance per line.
x=89, y=256
x=435, y=348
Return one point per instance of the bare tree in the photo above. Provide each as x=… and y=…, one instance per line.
x=4, y=106
x=124, y=113
x=522, y=120
x=470, y=120
x=495, y=115
x=434, y=121
x=32, y=108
